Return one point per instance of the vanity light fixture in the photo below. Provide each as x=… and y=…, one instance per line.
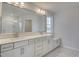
x=41, y=11
x=38, y=10
x=22, y=5
x=19, y=4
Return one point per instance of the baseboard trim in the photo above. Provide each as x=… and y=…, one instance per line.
x=71, y=48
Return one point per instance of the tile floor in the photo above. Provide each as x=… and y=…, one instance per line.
x=63, y=52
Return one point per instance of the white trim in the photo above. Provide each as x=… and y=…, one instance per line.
x=71, y=48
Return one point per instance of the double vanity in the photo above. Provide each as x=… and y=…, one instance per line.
x=19, y=31
x=32, y=45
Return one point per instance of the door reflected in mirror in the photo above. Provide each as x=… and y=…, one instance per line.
x=28, y=26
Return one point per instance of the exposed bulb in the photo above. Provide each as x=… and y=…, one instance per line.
x=16, y=3
x=40, y=11
x=22, y=4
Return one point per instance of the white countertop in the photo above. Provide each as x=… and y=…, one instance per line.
x=10, y=40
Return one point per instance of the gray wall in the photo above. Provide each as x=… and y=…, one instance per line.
x=66, y=26
x=0, y=17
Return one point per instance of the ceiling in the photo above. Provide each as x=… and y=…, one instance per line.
x=56, y=6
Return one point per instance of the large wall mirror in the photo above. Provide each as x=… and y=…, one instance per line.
x=15, y=19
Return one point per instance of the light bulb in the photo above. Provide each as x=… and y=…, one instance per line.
x=43, y=12
x=22, y=4
x=38, y=10
x=16, y=3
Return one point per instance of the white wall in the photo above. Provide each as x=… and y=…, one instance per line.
x=66, y=26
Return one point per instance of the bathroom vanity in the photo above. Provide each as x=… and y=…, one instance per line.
x=20, y=21
x=28, y=46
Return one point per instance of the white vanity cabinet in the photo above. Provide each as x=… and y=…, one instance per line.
x=11, y=53
x=8, y=51
x=35, y=47
x=21, y=49
x=18, y=50
x=52, y=43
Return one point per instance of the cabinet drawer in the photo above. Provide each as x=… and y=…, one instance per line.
x=21, y=43
x=6, y=47
x=38, y=40
x=30, y=42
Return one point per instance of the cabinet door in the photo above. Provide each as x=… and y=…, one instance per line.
x=23, y=51
x=57, y=42
x=29, y=49
x=50, y=43
x=38, y=47
x=18, y=52
x=45, y=46
x=11, y=53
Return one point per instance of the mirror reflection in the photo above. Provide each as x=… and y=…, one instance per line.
x=15, y=20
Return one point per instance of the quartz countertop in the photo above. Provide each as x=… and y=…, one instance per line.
x=20, y=38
